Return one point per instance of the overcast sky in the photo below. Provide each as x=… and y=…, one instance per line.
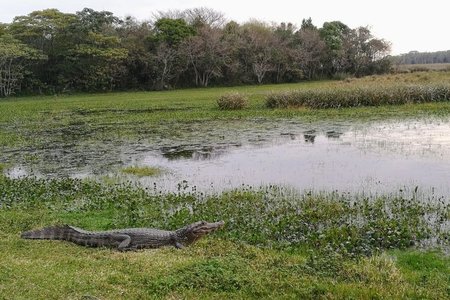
x=407, y=24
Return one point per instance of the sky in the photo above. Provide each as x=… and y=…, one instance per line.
x=408, y=24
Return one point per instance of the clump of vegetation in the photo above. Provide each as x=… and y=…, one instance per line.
x=275, y=244
x=359, y=96
x=142, y=171
x=267, y=217
x=233, y=100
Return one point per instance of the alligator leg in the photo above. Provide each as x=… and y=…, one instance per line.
x=179, y=245
x=125, y=241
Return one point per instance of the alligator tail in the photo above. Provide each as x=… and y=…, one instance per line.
x=50, y=233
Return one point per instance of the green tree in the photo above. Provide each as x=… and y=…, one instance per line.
x=172, y=31
x=333, y=33
x=83, y=49
x=14, y=57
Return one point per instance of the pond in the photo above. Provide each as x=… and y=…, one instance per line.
x=358, y=157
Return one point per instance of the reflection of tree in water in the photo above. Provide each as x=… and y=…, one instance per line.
x=309, y=136
x=331, y=134
x=81, y=149
x=195, y=153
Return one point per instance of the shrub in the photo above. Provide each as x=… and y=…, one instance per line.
x=359, y=96
x=232, y=100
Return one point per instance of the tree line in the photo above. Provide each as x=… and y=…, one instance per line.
x=415, y=57
x=50, y=51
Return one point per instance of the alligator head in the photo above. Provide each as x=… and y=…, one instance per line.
x=193, y=232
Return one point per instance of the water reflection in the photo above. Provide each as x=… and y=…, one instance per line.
x=320, y=164
x=371, y=156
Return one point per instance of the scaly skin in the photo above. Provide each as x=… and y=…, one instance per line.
x=127, y=239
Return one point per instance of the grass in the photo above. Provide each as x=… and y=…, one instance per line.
x=422, y=67
x=360, y=96
x=28, y=121
x=276, y=243
x=142, y=171
x=249, y=258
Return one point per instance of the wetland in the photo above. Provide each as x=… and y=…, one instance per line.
x=323, y=202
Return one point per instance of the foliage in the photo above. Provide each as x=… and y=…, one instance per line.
x=14, y=57
x=172, y=31
x=415, y=57
x=360, y=96
x=97, y=51
x=232, y=100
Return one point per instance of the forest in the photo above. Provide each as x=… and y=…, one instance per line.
x=51, y=52
x=415, y=57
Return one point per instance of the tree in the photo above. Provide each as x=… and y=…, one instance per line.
x=167, y=61
x=83, y=49
x=172, y=31
x=13, y=58
x=307, y=24
x=258, y=45
x=333, y=34
x=96, y=21
x=135, y=37
x=363, y=52
x=207, y=54
x=197, y=17
x=282, y=50
x=309, y=51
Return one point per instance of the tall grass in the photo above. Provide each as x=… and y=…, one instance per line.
x=359, y=96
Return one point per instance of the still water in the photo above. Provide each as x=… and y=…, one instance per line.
x=382, y=157
x=369, y=157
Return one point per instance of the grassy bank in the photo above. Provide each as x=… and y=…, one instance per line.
x=26, y=121
x=276, y=243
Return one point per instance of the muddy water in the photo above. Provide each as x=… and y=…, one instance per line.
x=372, y=157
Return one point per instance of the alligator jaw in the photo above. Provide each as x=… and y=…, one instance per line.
x=203, y=228
x=193, y=232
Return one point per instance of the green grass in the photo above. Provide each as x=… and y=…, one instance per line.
x=28, y=121
x=275, y=244
x=142, y=171
x=249, y=258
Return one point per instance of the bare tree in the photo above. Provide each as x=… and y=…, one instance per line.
x=362, y=49
x=207, y=54
x=308, y=51
x=165, y=62
x=259, y=44
x=194, y=16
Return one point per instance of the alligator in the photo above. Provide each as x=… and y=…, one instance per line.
x=126, y=239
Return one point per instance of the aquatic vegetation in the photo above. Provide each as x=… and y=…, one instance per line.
x=142, y=171
x=310, y=243
x=267, y=217
x=355, y=96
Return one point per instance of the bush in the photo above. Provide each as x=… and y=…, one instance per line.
x=359, y=96
x=232, y=100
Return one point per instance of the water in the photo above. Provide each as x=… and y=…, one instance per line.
x=375, y=157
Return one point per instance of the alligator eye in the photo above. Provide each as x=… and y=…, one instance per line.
x=203, y=223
